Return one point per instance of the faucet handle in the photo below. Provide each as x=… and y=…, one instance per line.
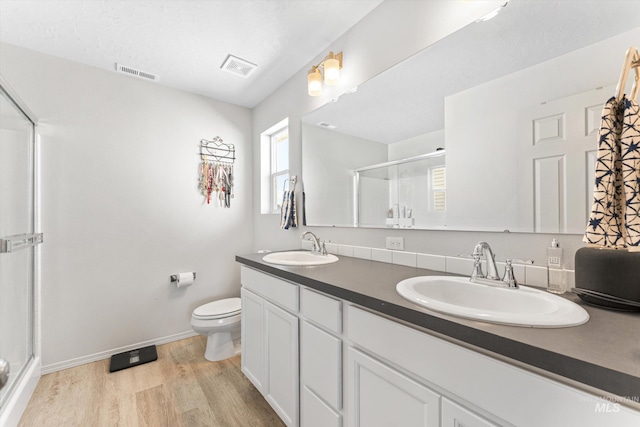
x=322, y=248
x=477, y=265
x=509, y=278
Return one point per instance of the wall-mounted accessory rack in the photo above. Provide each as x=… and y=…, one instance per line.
x=216, y=170
x=217, y=150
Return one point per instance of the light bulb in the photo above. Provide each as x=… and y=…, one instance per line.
x=314, y=82
x=331, y=70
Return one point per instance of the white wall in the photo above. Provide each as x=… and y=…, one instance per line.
x=120, y=205
x=329, y=177
x=408, y=28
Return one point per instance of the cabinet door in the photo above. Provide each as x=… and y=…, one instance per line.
x=321, y=364
x=282, y=362
x=316, y=413
x=253, y=339
x=454, y=415
x=379, y=396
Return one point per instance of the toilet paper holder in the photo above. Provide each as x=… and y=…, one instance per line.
x=174, y=277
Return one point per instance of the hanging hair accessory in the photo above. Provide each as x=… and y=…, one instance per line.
x=216, y=170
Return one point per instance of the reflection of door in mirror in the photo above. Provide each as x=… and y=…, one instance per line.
x=556, y=155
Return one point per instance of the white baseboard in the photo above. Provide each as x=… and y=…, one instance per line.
x=47, y=369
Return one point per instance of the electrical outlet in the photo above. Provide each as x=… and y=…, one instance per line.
x=395, y=243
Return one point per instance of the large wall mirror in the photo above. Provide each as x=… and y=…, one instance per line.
x=493, y=128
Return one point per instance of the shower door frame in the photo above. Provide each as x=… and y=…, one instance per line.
x=20, y=391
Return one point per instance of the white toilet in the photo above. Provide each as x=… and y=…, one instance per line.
x=220, y=322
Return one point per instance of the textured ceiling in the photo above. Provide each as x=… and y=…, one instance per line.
x=186, y=42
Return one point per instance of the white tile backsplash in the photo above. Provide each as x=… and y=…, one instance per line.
x=531, y=275
x=345, y=250
x=570, y=277
x=536, y=276
x=381, y=255
x=362, y=252
x=404, y=258
x=432, y=262
x=332, y=248
x=459, y=265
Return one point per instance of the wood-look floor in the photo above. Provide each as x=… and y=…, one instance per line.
x=181, y=388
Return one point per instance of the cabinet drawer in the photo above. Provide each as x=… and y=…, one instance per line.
x=320, y=364
x=323, y=310
x=281, y=292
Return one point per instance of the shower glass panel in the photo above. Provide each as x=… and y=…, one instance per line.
x=17, y=145
x=403, y=193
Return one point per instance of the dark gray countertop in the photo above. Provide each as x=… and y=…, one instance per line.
x=603, y=353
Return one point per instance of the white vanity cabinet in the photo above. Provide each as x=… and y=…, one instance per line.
x=324, y=362
x=320, y=360
x=270, y=340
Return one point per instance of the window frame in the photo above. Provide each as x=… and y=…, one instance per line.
x=271, y=194
x=276, y=138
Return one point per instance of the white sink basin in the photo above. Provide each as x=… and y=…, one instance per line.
x=523, y=306
x=299, y=258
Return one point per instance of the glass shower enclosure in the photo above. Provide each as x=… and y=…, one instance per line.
x=18, y=240
x=405, y=193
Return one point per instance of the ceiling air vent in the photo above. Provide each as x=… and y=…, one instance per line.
x=326, y=125
x=237, y=66
x=130, y=71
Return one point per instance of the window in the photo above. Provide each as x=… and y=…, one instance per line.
x=438, y=188
x=279, y=166
x=274, y=166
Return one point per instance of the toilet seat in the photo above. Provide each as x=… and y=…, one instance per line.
x=218, y=309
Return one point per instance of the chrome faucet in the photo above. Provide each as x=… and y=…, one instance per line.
x=483, y=249
x=318, y=246
x=492, y=278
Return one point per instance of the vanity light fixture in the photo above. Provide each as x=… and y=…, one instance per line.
x=331, y=66
x=492, y=14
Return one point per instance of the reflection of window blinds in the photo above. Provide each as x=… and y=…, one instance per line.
x=438, y=184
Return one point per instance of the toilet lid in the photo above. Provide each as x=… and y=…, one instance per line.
x=220, y=308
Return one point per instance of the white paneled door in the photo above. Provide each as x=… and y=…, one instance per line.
x=556, y=152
